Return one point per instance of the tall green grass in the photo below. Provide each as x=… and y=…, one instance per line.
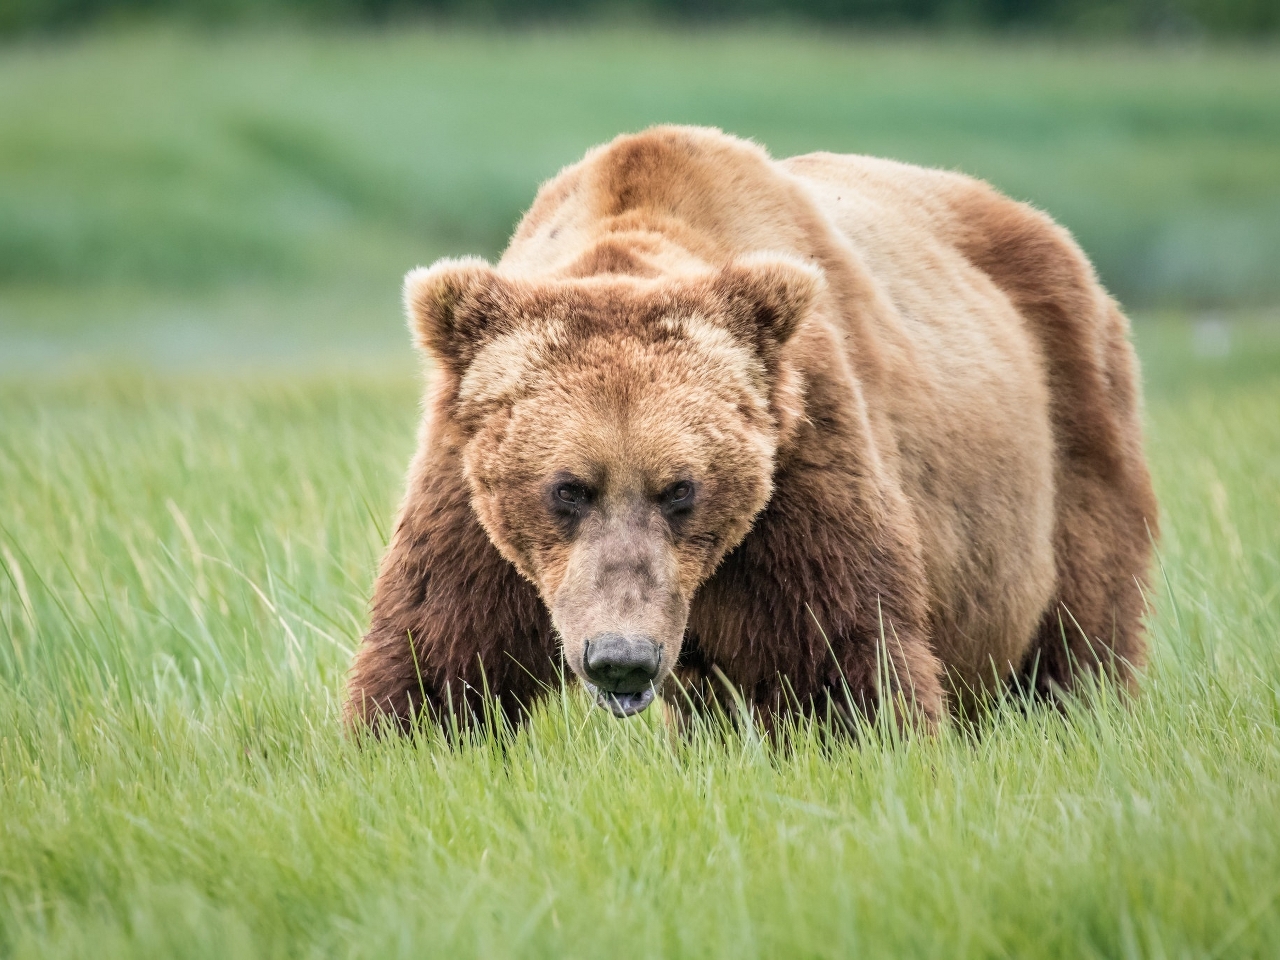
x=184, y=562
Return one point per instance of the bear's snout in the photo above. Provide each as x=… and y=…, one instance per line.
x=621, y=670
x=620, y=664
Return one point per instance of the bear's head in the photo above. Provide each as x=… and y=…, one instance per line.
x=618, y=437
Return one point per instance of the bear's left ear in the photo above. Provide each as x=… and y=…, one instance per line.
x=768, y=293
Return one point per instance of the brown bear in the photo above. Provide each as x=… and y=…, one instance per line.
x=826, y=430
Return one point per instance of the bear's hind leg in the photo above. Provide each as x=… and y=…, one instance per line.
x=1094, y=624
x=1106, y=519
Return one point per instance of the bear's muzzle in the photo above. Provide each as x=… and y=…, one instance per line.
x=621, y=670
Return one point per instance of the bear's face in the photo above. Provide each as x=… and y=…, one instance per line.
x=618, y=439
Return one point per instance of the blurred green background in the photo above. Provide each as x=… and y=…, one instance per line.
x=181, y=195
x=1185, y=17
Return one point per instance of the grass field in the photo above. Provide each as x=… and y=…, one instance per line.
x=206, y=408
x=185, y=567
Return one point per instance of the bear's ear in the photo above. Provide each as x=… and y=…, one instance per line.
x=766, y=295
x=441, y=304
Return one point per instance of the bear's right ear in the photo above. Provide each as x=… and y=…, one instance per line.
x=440, y=302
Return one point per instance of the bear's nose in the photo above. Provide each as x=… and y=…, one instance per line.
x=621, y=664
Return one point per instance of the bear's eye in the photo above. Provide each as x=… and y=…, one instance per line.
x=678, y=496
x=571, y=494
x=567, y=499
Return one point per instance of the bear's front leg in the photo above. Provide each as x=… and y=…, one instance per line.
x=822, y=607
x=455, y=630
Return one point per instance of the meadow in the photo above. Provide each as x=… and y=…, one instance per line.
x=207, y=402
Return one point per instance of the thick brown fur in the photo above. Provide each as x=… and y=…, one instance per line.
x=910, y=413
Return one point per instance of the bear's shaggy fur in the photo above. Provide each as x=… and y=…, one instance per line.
x=821, y=427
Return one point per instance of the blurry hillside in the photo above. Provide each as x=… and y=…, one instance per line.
x=187, y=192
x=1186, y=17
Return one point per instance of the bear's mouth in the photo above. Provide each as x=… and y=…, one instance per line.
x=622, y=704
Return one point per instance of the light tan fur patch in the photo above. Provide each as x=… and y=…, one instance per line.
x=723, y=351
x=505, y=365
